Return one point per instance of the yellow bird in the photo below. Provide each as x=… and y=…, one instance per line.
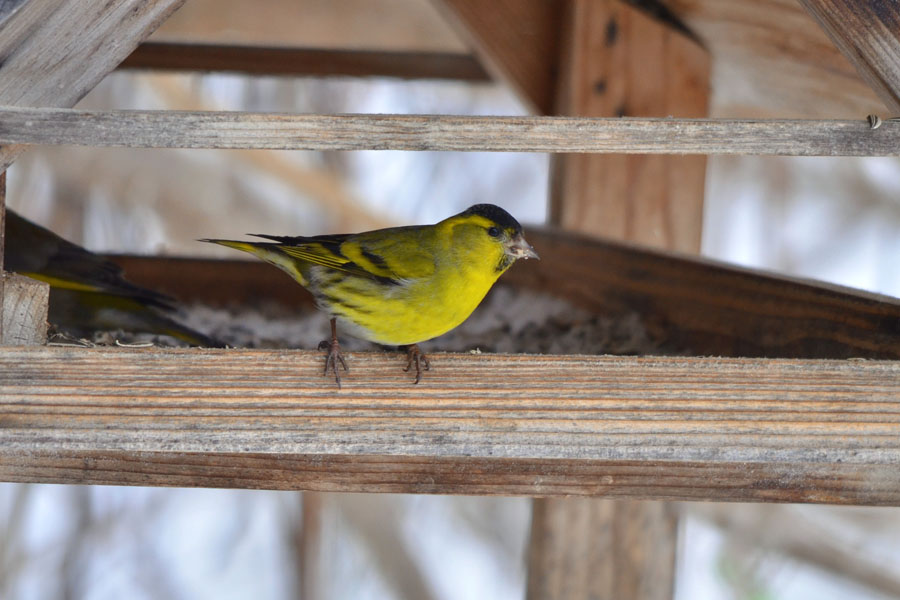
x=401, y=285
x=87, y=292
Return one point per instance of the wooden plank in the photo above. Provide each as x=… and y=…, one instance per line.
x=215, y=282
x=23, y=308
x=601, y=549
x=686, y=428
x=699, y=306
x=617, y=61
x=517, y=40
x=867, y=32
x=53, y=53
x=304, y=62
x=177, y=129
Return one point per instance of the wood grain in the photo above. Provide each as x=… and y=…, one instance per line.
x=517, y=40
x=304, y=62
x=690, y=428
x=867, y=32
x=52, y=53
x=602, y=549
x=176, y=129
x=23, y=310
x=616, y=62
x=699, y=306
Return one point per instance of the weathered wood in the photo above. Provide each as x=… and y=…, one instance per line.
x=690, y=428
x=700, y=306
x=616, y=62
x=867, y=32
x=23, y=310
x=517, y=40
x=304, y=62
x=53, y=53
x=176, y=129
x=601, y=549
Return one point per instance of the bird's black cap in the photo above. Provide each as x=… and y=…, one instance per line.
x=495, y=214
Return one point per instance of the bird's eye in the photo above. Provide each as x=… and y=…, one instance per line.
x=493, y=232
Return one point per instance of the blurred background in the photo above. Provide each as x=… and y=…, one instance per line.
x=834, y=220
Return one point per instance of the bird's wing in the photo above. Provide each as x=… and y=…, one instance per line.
x=39, y=253
x=390, y=255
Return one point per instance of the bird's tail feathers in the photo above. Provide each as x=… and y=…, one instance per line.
x=269, y=252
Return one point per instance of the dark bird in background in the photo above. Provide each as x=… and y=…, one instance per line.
x=88, y=292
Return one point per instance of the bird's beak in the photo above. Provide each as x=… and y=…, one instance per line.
x=519, y=248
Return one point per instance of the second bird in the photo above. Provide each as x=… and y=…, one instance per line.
x=401, y=285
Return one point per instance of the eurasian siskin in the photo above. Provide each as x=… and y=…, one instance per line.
x=401, y=285
x=88, y=292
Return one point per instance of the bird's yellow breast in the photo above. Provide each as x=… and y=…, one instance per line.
x=411, y=311
x=416, y=309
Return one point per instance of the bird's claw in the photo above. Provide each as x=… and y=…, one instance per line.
x=332, y=359
x=414, y=355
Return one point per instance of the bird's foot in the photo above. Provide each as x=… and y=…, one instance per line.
x=414, y=355
x=332, y=358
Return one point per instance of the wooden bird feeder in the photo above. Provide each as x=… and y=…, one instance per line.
x=772, y=405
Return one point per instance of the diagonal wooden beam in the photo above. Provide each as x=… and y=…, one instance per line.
x=516, y=40
x=53, y=53
x=867, y=32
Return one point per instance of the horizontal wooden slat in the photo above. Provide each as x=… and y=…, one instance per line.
x=693, y=428
x=256, y=60
x=175, y=129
